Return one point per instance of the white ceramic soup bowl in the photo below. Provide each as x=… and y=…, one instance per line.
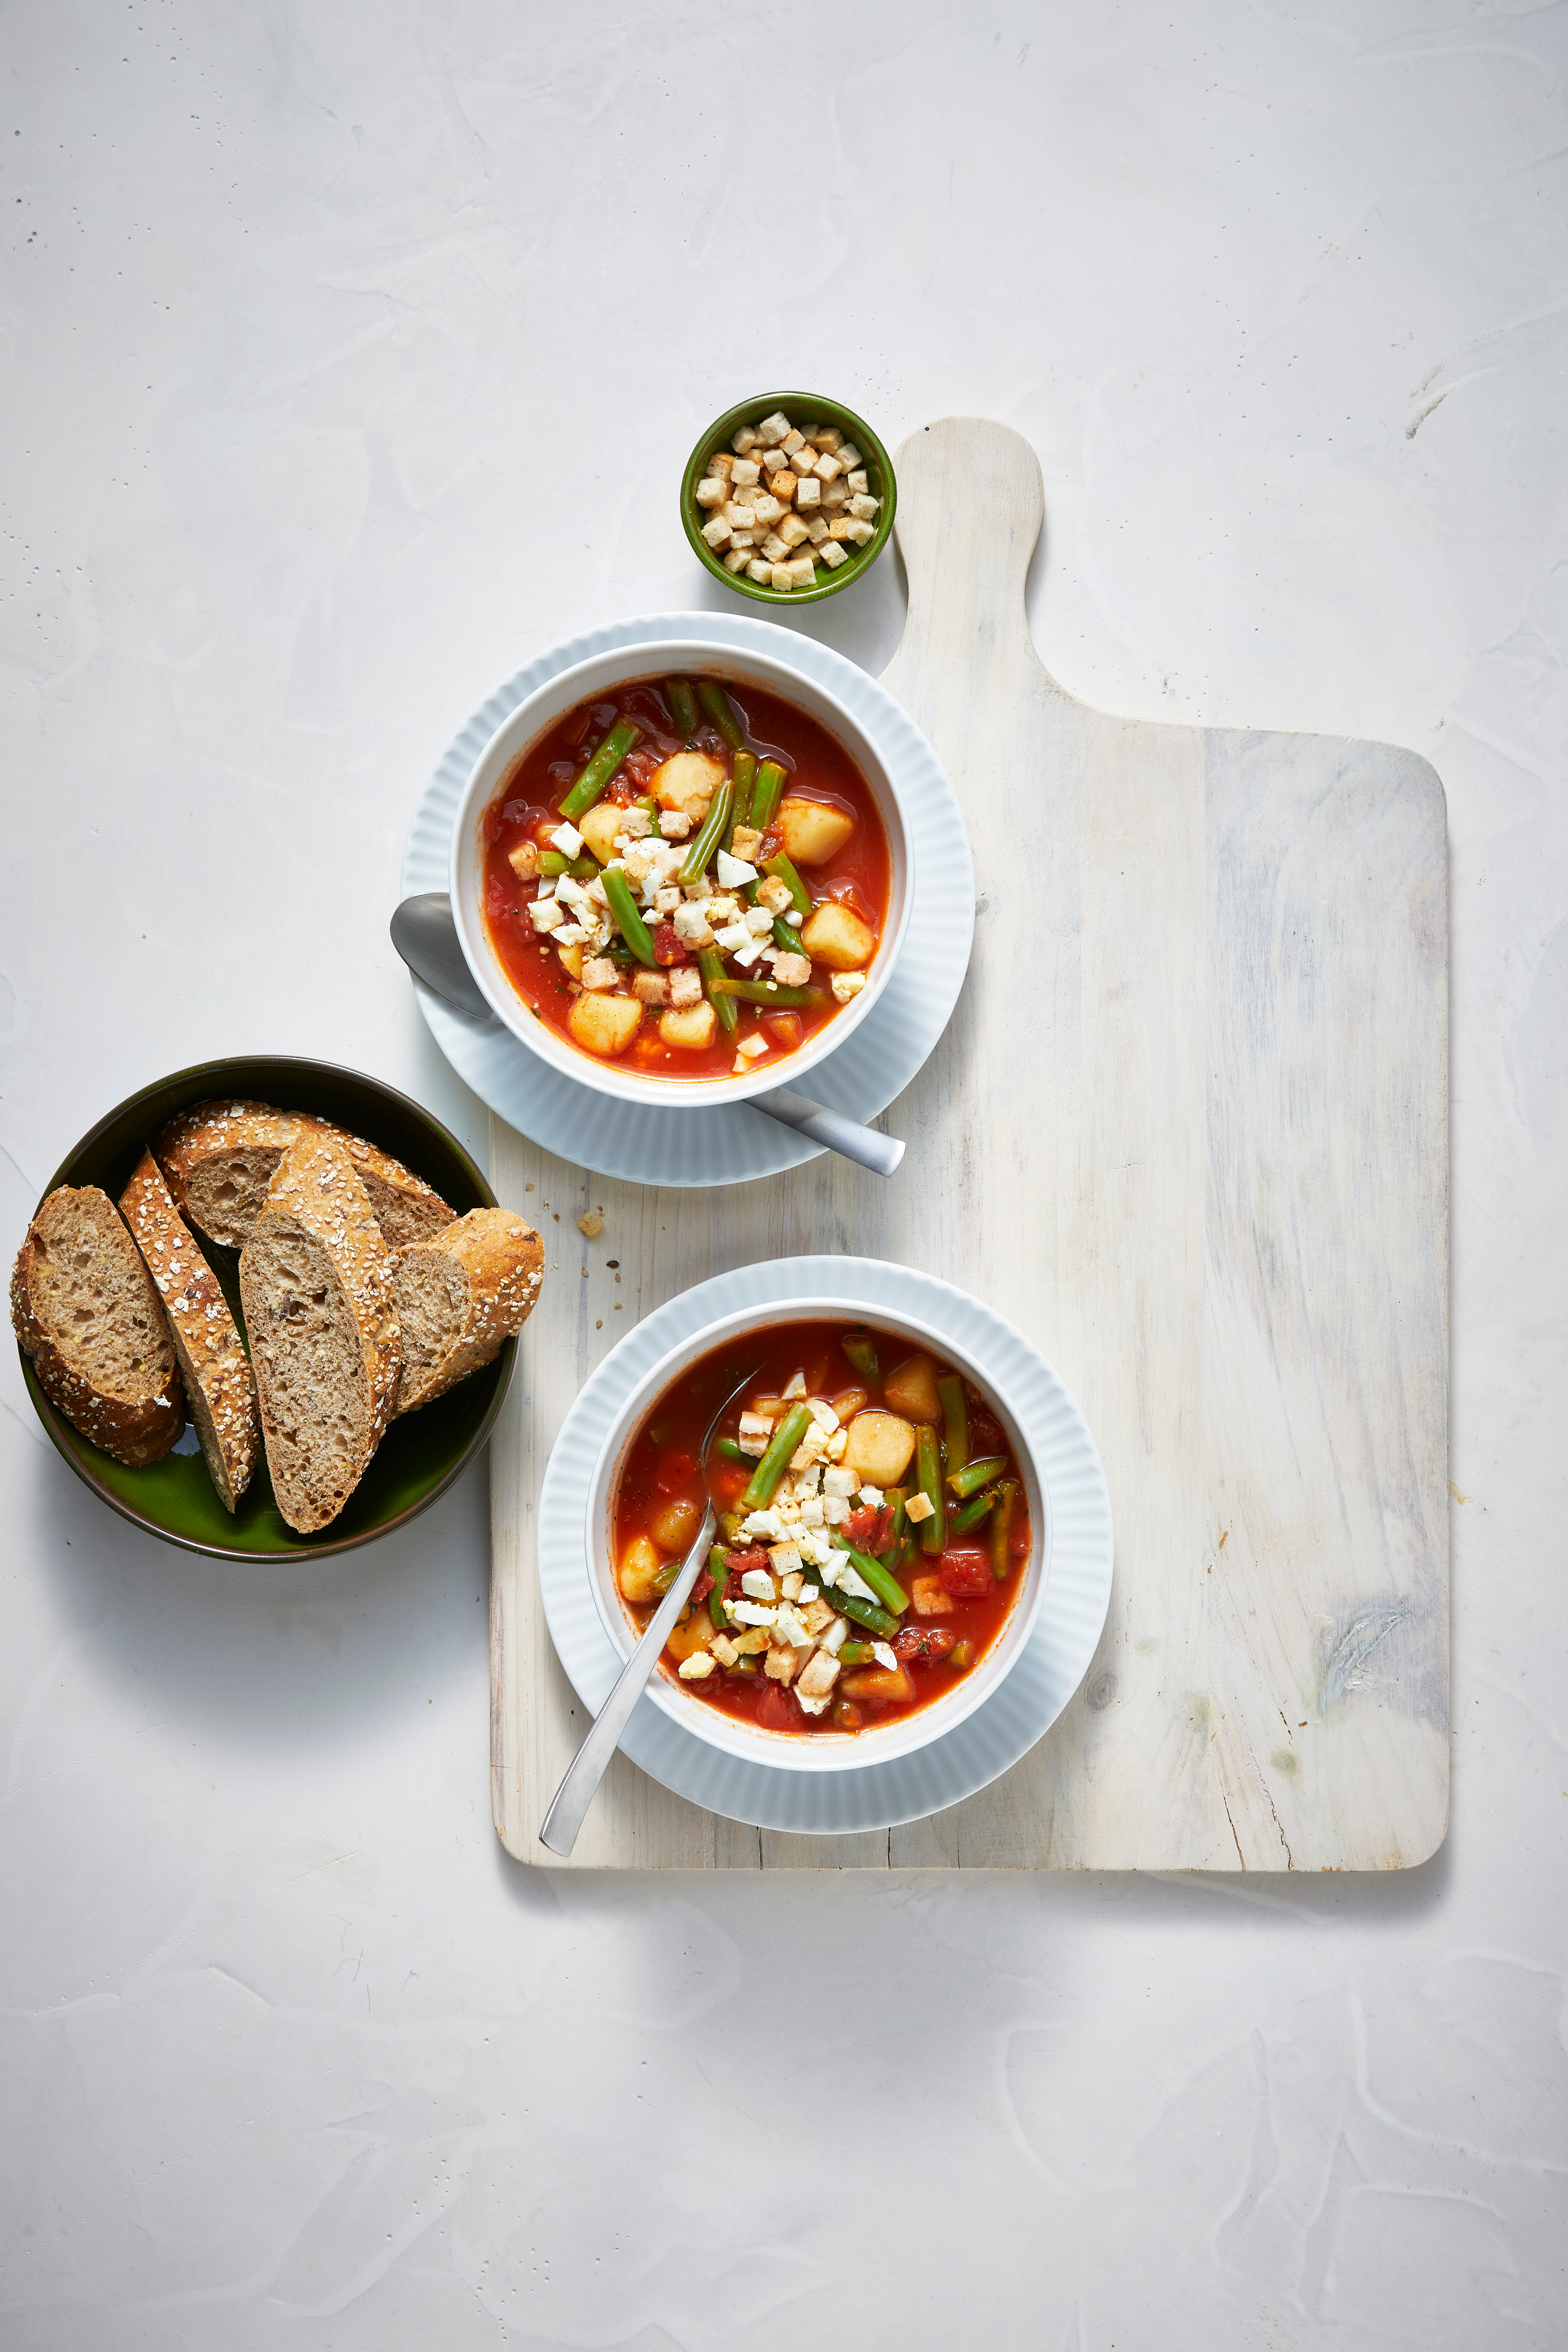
x=777, y=672
x=813, y=1751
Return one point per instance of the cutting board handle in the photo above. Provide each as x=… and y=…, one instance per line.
x=971, y=505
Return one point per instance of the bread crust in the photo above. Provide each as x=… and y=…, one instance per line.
x=218, y=1158
x=316, y=1191
x=501, y=1259
x=138, y=1426
x=220, y=1389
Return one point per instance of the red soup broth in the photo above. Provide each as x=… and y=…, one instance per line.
x=943, y=1637
x=525, y=809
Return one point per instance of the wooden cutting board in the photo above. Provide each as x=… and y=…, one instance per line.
x=1188, y=1129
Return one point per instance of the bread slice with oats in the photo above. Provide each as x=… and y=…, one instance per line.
x=459, y=1295
x=315, y=1281
x=86, y=1312
x=220, y=1159
x=220, y=1389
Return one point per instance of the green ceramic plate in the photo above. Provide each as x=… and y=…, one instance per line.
x=815, y=410
x=419, y=1457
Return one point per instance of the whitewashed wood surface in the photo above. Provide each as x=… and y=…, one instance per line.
x=1188, y=1129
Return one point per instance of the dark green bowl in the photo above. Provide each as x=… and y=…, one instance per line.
x=817, y=411
x=418, y=1458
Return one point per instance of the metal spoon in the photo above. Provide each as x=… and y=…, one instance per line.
x=588, y=1767
x=426, y=937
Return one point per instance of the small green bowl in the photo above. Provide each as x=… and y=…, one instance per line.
x=817, y=411
x=418, y=1458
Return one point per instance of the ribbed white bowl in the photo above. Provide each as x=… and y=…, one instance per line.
x=725, y=1143
x=1019, y=1711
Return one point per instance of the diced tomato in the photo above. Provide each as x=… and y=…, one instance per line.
x=777, y=1709
x=742, y=1563
x=668, y=948
x=703, y=1586
x=859, y=1525
x=675, y=1469
x=966, y=1574
x=787, y=1027
x=1018, y=1537
x=921, y=1645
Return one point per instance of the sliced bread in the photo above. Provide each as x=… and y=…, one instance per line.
x=85, y=1311
x=459, y=1295
x=219, y=1157
x=315, y=1282
x=220, y=1391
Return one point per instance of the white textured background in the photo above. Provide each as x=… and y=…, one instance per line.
x=349, y=354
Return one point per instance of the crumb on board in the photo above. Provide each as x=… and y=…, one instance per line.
x=591, y=1222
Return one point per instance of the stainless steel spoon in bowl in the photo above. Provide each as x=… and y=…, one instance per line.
x=426, y=937
x=588, y=1767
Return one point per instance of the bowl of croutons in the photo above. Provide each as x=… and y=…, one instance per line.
x=788, y=498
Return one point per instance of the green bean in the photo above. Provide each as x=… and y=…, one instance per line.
x=784, y=869
x=665, y=1576
x=716, y=703
x=729, y=1525
x=741, y=775
x=973, y=1511
x=711, y=964
x=590, y=785
x=893, y=1500
x=968, y=1479
x=776, y=1460
x=855, y=1654
x=718, y=1569
x=861, y=1350
x=882, y=1582
x=955, y=1417
x=682, y=706
x=934, y=1531
x=731, y=1450
x=581, y=869
x=863, y=1612
x=765, y=800
x=1001, y=1528
x=633, y=930
x=709, y=834
x=766, y=991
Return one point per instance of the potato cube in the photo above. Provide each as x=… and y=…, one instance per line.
x=570, y=957
x=884, y=1683
x=690, y=1026
x=807, y=493
x=640, y=1563
x=599, y=971
x=836, y=936
x=772, y=429
x=880, y=1448
x=599, y=829
x=605, y=1025
x=832, y=555
x=693, y=1638
x=685, y=986
x=687, y=781
x=910, y=1389
x=650, y=987
x=742, y=438
x=710, y=491
x=716, y=531
x=929, y=1597
x=811, y=831
x=792, y=530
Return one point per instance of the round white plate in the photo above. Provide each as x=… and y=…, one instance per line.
x=647, y=1143
x=976, y=1751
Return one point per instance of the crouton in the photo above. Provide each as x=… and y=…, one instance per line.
x=674, y=824
x=650, y=987
x=803, y=572
x=832, y=555
x=692, y=927
x=792, y=530
x=773, y=429
x=789, y=971
x=598, y=972
x=781, y=1665
x=710, y=491
x=807, y=493
x=863, y=509
x=716, y=531
x=782, y=578
x=772, y=893
x=742, y=438
x=685, y=986
x=524, y=861
x=819, y=1674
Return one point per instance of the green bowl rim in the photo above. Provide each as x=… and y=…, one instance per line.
x=54, y=1422
x=745, y=413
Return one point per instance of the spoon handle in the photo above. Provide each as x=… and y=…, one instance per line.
x=865, y=1145
x=588, y=1767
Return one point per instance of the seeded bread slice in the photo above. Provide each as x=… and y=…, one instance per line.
x=220, y=1389
x=85, y=1311
x=220, y=1159
x=315, y=1282
x=460, y=1295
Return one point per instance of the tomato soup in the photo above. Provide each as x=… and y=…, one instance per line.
x=873, y=1527
x=687, y=876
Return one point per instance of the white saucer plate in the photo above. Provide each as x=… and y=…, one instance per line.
x=986, y=1743
x=647, y=1143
